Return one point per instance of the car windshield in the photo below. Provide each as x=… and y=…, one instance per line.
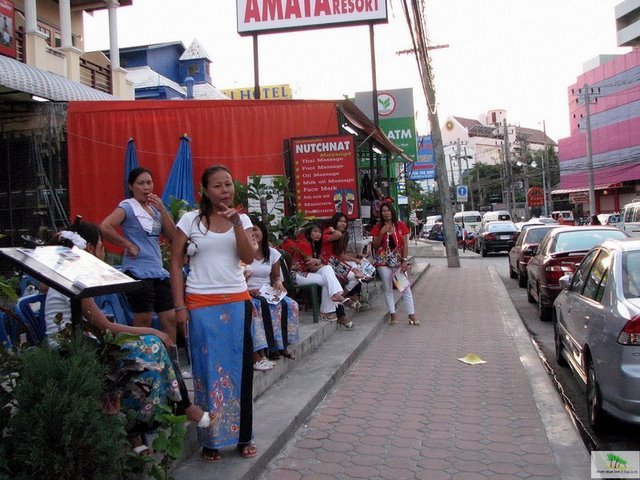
x=501, y=227
x=631, y=274
x=472, y=219
x=534, y=235
x=584, y=239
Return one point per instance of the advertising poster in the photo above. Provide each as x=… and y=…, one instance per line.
x=425, y=167
x=7, y=36
x=325, y=175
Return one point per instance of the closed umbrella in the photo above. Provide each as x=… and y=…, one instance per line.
x=180, y=182
x=130, y=163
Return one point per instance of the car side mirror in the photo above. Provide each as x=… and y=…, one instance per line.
x=531, y=251
x=565, y=281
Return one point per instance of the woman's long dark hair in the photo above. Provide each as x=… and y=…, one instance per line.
x=340, y=245
x=264, y=243
x=394, y=215
x=90, y=232
x=316, y=245
x=206, y=207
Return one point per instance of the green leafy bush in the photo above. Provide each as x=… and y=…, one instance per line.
x=59, y=431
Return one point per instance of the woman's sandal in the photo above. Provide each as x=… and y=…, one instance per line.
x=393, y=321
x=248, y=451
x=288, y=354
x=348, y=325
x=210, y=454
x=414, y=321
x=139, y=447
x=329, y=317
x=143, y=450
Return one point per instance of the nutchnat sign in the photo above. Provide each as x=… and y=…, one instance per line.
x=324, y=169
x=266, y=16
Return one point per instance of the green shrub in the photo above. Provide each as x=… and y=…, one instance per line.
x=59, y=431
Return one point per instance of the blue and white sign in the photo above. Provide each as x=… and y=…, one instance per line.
x=462, y=192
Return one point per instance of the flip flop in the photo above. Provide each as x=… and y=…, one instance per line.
x=248, y=451
x=210, y=454
x=142, y=450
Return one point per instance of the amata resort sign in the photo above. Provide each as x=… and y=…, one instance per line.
x=324, y=170
x=266, y=16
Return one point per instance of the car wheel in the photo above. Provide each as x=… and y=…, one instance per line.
x=544, y=312
x=522, y=280
x=594, y=399
x=557, y=340
x=512, y=272
x=530, y=298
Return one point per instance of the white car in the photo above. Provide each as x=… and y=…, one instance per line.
x=596, y=320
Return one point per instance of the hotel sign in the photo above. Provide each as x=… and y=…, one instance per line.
x=267, y=16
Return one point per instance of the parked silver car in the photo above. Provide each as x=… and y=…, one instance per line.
x=596, y=320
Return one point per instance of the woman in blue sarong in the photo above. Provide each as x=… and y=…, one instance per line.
x=280, y=318
x=217, y=305
x=144, y=351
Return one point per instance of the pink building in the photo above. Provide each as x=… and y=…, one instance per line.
x=614, y=91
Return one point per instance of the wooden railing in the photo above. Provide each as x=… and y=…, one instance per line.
x=95, y=76
x=91, y=74
x=21, y=52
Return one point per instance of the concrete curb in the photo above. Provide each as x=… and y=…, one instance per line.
x=572, y=457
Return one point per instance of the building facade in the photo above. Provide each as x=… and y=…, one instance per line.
x=604, y=117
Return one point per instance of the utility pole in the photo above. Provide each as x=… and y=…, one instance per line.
x=466, y=160
x=592, y=190
x=507, y=165
x=545, y=166
x=418, y=33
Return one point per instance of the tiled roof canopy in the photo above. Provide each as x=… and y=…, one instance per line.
x=19, y=77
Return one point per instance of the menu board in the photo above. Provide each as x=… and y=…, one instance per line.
x=72, y=271
x=324, y=169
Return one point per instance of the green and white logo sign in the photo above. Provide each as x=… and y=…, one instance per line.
x=395, y=116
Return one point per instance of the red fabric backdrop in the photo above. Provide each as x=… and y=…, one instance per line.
x=246, y=136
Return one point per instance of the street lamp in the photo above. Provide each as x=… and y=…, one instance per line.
x=534, y=164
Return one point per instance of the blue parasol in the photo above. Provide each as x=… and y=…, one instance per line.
x=180, y=182
x=130, y=163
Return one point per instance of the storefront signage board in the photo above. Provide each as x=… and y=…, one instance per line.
x=324, y=170
x=260, y=16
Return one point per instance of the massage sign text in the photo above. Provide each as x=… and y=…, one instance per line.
x=325, y=176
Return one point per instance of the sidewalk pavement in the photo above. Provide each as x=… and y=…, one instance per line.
x=391, y=402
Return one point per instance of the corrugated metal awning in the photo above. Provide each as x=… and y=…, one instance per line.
x=564, y=191
x=360, y=121
x=17, y=77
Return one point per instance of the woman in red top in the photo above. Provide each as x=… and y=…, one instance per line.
x=335, y=239
x=390, y=247
x=308, y=268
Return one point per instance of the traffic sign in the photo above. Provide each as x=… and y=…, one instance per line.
x=462, y=192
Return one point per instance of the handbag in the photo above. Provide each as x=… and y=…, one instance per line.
x=393, y=260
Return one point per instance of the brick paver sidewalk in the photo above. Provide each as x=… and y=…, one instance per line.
x=409, y=409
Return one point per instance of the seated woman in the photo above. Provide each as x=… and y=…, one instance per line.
x=164, y=382
x=335, y=240
x=281, y=318
x=308, y=268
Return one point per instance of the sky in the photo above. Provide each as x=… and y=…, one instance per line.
x=516, y=55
